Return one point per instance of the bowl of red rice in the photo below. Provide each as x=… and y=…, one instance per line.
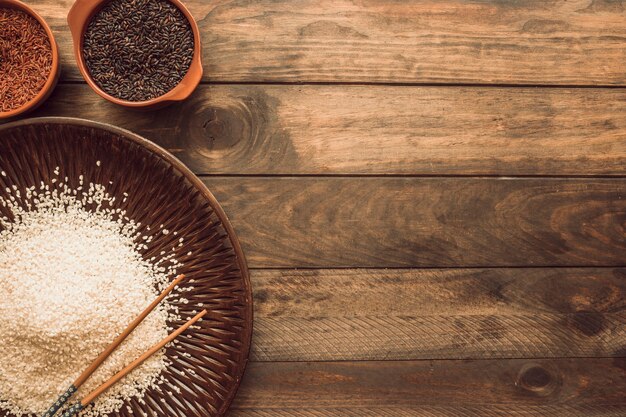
x=29, y=59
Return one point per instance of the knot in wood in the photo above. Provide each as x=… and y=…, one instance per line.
x=536, y=380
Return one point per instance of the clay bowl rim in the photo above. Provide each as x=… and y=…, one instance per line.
x=53, y=77
x=204, y=190
x=78, y=18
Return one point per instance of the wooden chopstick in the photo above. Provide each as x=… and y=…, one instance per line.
x=105, y=354
x=121, y=374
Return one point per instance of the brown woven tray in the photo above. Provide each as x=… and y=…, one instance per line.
x=161, y=190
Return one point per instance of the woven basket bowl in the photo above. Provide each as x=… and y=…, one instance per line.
x=161, y=190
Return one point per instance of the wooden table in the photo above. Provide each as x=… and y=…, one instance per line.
x=431, y=196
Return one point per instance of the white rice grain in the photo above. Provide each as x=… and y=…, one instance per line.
x=72, y=280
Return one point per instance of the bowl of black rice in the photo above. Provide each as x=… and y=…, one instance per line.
x=137, y=53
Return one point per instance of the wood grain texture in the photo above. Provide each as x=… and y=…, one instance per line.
x=387, y=41
x=376, y=130
x=560, y=387
x=364, y=314
x=314, y=293
x=524, y=276
x=426, y=222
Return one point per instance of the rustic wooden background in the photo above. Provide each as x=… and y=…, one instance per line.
x=431, y=195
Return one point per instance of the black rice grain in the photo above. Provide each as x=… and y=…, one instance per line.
x=137, y=50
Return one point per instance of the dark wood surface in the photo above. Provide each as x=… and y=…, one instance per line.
x=426, y=222
x=409, y=314
x=559, y=387
x=378, y=130
x=475, y=148
x=564, y=42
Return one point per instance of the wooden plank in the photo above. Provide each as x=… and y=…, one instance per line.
x=434, y=411
x=365, y=314
x=314, y=293
x=431, y=41
x=256, y=129
x=426, y=222
x=561, y=387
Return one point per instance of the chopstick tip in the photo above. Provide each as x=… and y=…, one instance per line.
x=177, y=281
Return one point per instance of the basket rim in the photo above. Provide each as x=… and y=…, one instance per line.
x=200, y=186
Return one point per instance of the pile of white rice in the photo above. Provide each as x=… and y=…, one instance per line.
x=72, y=279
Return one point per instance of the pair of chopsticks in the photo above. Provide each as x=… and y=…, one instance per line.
x=105, y=354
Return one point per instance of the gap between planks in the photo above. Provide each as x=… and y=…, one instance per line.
x=383, y=84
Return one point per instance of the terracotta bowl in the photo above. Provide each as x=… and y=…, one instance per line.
x=160, y=191
x=78, y=19
x=53, y=77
